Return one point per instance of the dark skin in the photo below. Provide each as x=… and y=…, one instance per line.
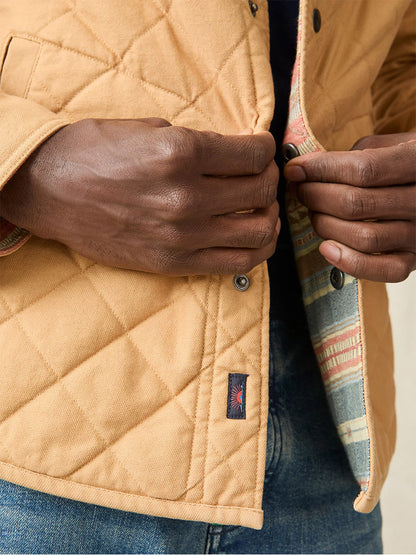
x=363, y=202
x=145, y=195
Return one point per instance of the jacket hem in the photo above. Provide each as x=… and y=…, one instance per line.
x=225, y=515
x=365, y=503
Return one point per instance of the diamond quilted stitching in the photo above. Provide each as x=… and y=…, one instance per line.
x=220, y=469
x=49, y=13
x=48, y=434
x=224, y=331
x=116, y=388
x=143, y=294
x=57, y=267
x=89, y=359
x=162, y=428
x=71, y=424
x=77, y=307
x=171, y=389
x=21, y=386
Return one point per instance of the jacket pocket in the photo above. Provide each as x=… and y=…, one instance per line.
x=50, y=74
x=18, y=65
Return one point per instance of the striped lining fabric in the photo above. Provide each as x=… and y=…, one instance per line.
x=11, y=237
x=333, y=315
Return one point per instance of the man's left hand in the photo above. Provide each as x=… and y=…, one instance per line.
x=363, y=204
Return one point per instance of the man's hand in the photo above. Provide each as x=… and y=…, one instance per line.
x=145, y=195
x=364, y=203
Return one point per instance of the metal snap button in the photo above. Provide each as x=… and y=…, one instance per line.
x=316, y=17
x=241, y=282
x=337, y=278
x=289, y=151
x=253, y=8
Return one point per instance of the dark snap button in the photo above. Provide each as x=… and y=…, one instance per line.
x=253, y=8
x=316, y=16
x=241, y=282
x=337, y=278
x=289, y=151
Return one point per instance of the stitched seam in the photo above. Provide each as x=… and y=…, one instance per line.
x=217, y=465
x=126, y=494
x=37, y=134
x=162, y=381
x=81, y=19
x=214, y=80
x=151, y=368
x=258, y=478
x=143, y=33
x=78, y=364
x=136, y=423
x=54, y=20
x=208, y=289
x=32, y=73
x=101, y=349
x=227, y=334
x=33, y=302
x=53, y=44
x=253, y=81
x=212, y=386
x=116, y=66
x=201, y=372
x=73, y=400
x=202, y=60
x=58, y=101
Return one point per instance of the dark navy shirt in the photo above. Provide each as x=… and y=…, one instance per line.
x=285, y=301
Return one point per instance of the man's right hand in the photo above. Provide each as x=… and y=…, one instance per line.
x=145, y=195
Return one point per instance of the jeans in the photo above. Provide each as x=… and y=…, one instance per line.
x=308, y=494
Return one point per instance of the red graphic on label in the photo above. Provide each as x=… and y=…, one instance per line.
x=237, y=397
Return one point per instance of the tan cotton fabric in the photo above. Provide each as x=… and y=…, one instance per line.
x=114, y=383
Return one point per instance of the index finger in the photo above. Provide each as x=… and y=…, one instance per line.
x=238, y=155
x=376, y=167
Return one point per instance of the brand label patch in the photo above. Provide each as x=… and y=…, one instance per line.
x=236, y=399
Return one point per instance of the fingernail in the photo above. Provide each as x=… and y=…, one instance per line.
x=295, y=173
x=331, y=252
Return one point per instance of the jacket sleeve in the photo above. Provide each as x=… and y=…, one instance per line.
x=394, y=91
x=24, y=125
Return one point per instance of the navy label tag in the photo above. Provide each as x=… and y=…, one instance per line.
x=236, y=399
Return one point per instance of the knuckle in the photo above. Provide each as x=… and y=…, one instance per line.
x=264, y=235
x=267, y=190
x=368, y=238
x=178, y=150
x=367, y=169
x=168, y=262
x=359, y=204
x=172, y=236
x=258, y=157
x=179, y=203
x=240, y=262
x=358, y=265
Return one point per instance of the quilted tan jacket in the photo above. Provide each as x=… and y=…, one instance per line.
x=114, y=383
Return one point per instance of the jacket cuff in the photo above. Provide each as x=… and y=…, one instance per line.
x=24, y=125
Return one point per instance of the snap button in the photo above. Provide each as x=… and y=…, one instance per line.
x=241, y=282
x=316, y=17
x=253, y=8
x=289, y=151
x=337, y=278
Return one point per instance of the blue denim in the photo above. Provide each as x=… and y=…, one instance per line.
x=308, y=495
